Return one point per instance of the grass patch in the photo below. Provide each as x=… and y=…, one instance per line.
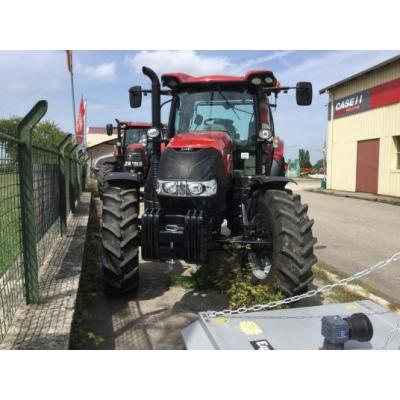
x=321, y=274
x=10, y=220
x=225, y=274
x=342, y=295
x=186, y=282
x=96, y=339
x=88, y=288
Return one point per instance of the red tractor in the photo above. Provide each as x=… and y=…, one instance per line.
x=130, y=153
x=213, y=164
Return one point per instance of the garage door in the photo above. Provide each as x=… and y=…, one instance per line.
x=367, y=166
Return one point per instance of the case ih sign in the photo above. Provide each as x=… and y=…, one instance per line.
x=378, y=96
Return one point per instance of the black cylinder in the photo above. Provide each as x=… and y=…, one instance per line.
x=360, y=327
x=155, y=97
x=150, y=194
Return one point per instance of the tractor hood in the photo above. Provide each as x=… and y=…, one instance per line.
x=202, y=140
x=201, y=156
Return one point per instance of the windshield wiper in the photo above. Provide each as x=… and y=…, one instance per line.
x=228, y=103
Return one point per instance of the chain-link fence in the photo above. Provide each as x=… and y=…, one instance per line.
x=38, y=189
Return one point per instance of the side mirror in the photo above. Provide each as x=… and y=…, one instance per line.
x=198, y=119
x=304, y=93
x=164, y=134
x=109, y=129
x=135, y=96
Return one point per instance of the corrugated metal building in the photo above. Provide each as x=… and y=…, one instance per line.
x=363, y=144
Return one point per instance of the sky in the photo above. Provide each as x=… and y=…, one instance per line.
x=104, y=77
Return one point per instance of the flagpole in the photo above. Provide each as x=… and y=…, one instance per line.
x=71, y=74
x=73, y=100
x=85, y=127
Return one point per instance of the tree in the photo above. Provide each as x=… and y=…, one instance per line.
x=307, y=163
x=47, y=133
x=304, y=159
x=9, y=125
x=319, y=164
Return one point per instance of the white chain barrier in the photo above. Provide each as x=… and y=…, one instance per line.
x=323, y=289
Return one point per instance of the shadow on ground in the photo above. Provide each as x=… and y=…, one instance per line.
x=150, y=319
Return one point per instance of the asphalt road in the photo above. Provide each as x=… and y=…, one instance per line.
x=353, y=234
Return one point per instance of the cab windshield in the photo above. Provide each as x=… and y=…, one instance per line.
x=134, y=135
x=230, y=111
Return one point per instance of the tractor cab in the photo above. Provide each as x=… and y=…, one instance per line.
x=130, y=153
x=130, y=150
x=235, y=106
x=134, y=133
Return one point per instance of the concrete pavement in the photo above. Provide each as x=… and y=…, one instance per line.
x=353, y=234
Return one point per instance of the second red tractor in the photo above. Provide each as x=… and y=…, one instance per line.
x=130, y=152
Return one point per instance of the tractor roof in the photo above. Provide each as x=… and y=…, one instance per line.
x=176, y=79
x=131, y=124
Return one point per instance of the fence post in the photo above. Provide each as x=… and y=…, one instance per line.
x=24, y=132
x=72, y=167
x=81, y=160
x=86, y=169
x=63, y=184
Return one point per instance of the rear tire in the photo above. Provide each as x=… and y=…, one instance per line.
x=283, y=214
x=105, y=168
x=120, y=258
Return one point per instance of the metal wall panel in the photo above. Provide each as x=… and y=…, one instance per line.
x=344, y=133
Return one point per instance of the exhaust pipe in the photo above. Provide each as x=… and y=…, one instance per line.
x=154, y=144
x=155, y=97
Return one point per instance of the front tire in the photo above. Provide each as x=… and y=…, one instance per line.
x=105, y=168
x=120, y=258
x=286, y=219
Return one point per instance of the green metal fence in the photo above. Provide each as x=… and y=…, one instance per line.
x=38, y=189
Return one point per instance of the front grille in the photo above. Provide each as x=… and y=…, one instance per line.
x=134, y=156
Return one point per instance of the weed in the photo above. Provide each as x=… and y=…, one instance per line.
x=187, y=282
x=342, y=295
x=229, y=275
x=95, y=338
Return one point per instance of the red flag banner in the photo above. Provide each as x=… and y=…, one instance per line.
x=69, y=59
x=80, y=122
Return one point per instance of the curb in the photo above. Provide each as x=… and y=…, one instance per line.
x=375, y=199
x=353, y=288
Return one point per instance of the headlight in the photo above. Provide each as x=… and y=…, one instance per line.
x=210, y=187
x=169, y=187
x=182, y=188
x=143, y=140
x=256, y=80
x=265, y=134
x=153, y=133
x=195, y=188
x=268, y=80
